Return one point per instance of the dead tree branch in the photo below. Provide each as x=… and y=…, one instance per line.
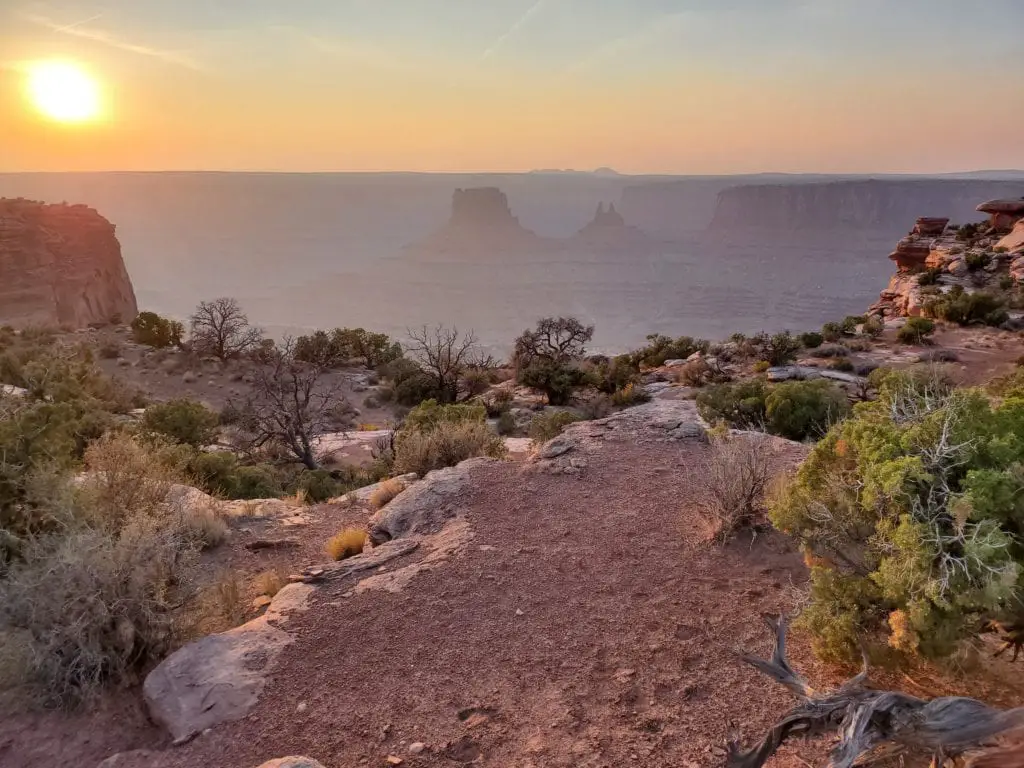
x=864, y=719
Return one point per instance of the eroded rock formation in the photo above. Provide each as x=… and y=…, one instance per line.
x=60, y=265
x=931, y=261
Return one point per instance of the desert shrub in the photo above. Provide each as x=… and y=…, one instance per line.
x=915, y=330
x=444, y=445
x=158, y=332
x=269, y=583
x=410, y=382
x=761, y=366
x=740, y=405
x=732, y=480
x=777, y=349
x=548, y=426
x=661, y=348
x=498, y=403
x=221, y=329
x=964, y=308
x=343, y=344
x=385, y=492
x=976, y=261
x=110, y=349
x=317, y=485
x=629, y=395
x=385, y=394
x=184, y=421
x=348, y=543
x=967, y=232
x=831, y=332
x=811, y=339
x=914, y=505
x=506, y=424
x=804, y=409
x=256, y=482
x=429, y=414
x=831, y=350
x=556, y=380
x=203, y=527
x=596, y=407
x=873, y=327
x=850, y=323
x=1006, y=283
x=615, y=374
x=938, y=356
x=930, y=276
x=96, y=607
x=843, y=365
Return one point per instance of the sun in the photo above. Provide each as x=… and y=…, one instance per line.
x=63, y=91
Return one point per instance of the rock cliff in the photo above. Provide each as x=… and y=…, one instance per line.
x=873, y=204
x=936, y=258
x=60, y=265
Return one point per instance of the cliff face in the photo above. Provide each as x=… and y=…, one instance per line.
x=60, y=265
x=875, y=204
x=934, y=259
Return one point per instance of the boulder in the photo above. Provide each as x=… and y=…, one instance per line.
x=1014, y=241
x=1003, y=214
x=61, y=265
x=219, y=678
x=932, y=226
x=427, y=505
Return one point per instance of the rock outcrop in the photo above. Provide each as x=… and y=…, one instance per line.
x=1003, y=214
x=60, y=265
x=931, y=261
x=609, y=231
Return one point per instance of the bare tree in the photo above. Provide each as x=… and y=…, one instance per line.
x=444, y=355
x=868, y=720
x=555, y=339
x=290, y=404
x=220, y=328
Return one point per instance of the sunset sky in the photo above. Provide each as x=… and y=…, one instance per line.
x=664, y=86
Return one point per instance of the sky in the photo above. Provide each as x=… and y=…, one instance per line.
x=643, y=86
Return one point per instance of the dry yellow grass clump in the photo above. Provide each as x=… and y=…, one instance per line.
x=385, y=492
x=269, y=583
x=348, y=543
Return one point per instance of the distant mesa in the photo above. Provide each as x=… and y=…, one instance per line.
x=608, y=231
x=60, y=265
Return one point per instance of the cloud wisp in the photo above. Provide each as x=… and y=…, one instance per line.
x=512, y=31
x=103, y=37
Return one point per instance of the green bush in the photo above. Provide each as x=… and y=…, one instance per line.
x=914, y=509
x=967, y=232
x=832, y=332
x=916, y=330
x=184, y=421
x=958, y=306
x=548, y=426
x=428, y=415
x=930, y=276
x=661, y=348
x=446, y=444
x=318, y=485
x=154, y=331
x=804, y=409
x=811, y=339
x=506, y=424
x=778, y=349
x=629, y=396
x=850, y=323
x=613, y=375
x=256, y=482
x=976, y=261
x=873, y=327
x=556, y=380
x=740, y=405
x=336, y=348
x=410, y=384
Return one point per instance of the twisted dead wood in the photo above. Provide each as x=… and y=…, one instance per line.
x=866, y=719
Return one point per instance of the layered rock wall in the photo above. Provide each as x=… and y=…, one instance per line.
x=60, y=265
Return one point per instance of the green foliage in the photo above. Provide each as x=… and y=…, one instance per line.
x=832, y=332
x=930, y=276
x=976, y=261
x=428, y=415
x=661, y=348
x=151, y=329
x=184, y=421
x=958, y=306
x=811, y=339
x=873, y=327
x=257, y=481
x=336, y=348
x=555, y=379
x=801, y=409
x=778, y=349
x=916, y=330
x=548, y=426
x=410, y=384
x=741, y=405
x=967, y=232
x=318, y=485
x=629, y=395
x=506, y=424
x=446, y=444
x=920, y=495
x=850, y=323
x=612, y=375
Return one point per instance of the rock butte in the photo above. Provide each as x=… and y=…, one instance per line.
x=60, y=265
x=1004, y=214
